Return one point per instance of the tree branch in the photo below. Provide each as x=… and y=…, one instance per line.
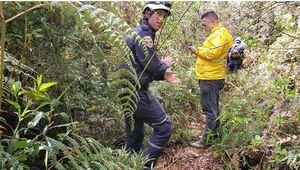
x=27, y=10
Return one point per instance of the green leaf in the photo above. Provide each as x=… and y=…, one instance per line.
x=45, y=86
x=16, y=88
x=39, y=80
x=20, y=93
x=278, y=120
x=65, y=116
x=14, y=104
x=38, y=95
x=36, y=150
x=20, y=144
x=23, y=157
x=35, y=120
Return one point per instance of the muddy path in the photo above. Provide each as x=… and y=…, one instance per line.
x=178, y=156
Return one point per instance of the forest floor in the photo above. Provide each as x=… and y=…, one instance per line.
x=187, y=158
x=178, y=156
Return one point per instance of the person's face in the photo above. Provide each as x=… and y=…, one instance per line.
x=157, y=19
x=207, y=24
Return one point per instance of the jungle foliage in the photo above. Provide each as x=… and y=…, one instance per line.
x=61, y=109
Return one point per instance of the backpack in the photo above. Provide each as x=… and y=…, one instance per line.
x=235, y=55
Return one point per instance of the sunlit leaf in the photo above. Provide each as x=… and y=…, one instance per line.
x=45, y=86
x=14, y=104
x=38, y=95
x=16, y=88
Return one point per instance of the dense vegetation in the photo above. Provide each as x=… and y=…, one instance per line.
x=60, y=109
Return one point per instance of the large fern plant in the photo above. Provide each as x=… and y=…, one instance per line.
x=65, y=150
x=87, y=153
x=116, y=31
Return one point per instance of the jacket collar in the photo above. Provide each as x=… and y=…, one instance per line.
x=146, y=26
x=216, y=28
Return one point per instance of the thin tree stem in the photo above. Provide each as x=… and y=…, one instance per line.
x=2, y=51
x=27, y=10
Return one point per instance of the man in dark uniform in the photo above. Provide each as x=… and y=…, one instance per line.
x=149, y=68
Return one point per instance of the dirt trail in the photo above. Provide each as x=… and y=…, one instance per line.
x=187, y=158
x=178, y=157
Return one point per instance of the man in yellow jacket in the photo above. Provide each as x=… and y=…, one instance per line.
x=211, y=71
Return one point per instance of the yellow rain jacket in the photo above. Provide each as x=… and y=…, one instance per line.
x=211, y=57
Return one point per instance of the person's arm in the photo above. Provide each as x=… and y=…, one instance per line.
x=213, y=47
x=152, y=63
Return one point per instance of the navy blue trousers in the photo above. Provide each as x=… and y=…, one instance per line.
x=149, y=111
x=209, y=97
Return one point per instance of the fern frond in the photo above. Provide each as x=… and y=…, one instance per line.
x=72, y=141
x=51, y=155
x=86, y=7
x=74, y=163
x=94, y=145
x=80, y=139
x=91, y=154
x=96, y=12
x=116, y=31
x=125, y=73
x=127, y=113
x=110, y=165
x=59, y=166
x=56, y=144
x=98, y=165
x=87, y=150
x=128, y=104
x=124, y=91
x=122, y=83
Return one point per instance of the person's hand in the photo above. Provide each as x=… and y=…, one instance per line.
x=192, y=48
x=171, y=78
x=168, y=61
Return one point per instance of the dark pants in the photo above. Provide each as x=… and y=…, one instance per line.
x=148, y=111
x=209, y=97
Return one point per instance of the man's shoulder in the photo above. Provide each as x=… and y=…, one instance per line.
x=222, y=29
x=143, y=30
x=143, y=33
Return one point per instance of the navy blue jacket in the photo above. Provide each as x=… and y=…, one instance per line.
x=156, y=68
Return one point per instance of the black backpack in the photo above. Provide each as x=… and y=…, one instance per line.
x=235, y=55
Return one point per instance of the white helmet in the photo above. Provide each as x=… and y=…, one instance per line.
x=153, y=5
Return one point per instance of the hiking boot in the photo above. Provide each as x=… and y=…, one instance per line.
x=198, y=144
